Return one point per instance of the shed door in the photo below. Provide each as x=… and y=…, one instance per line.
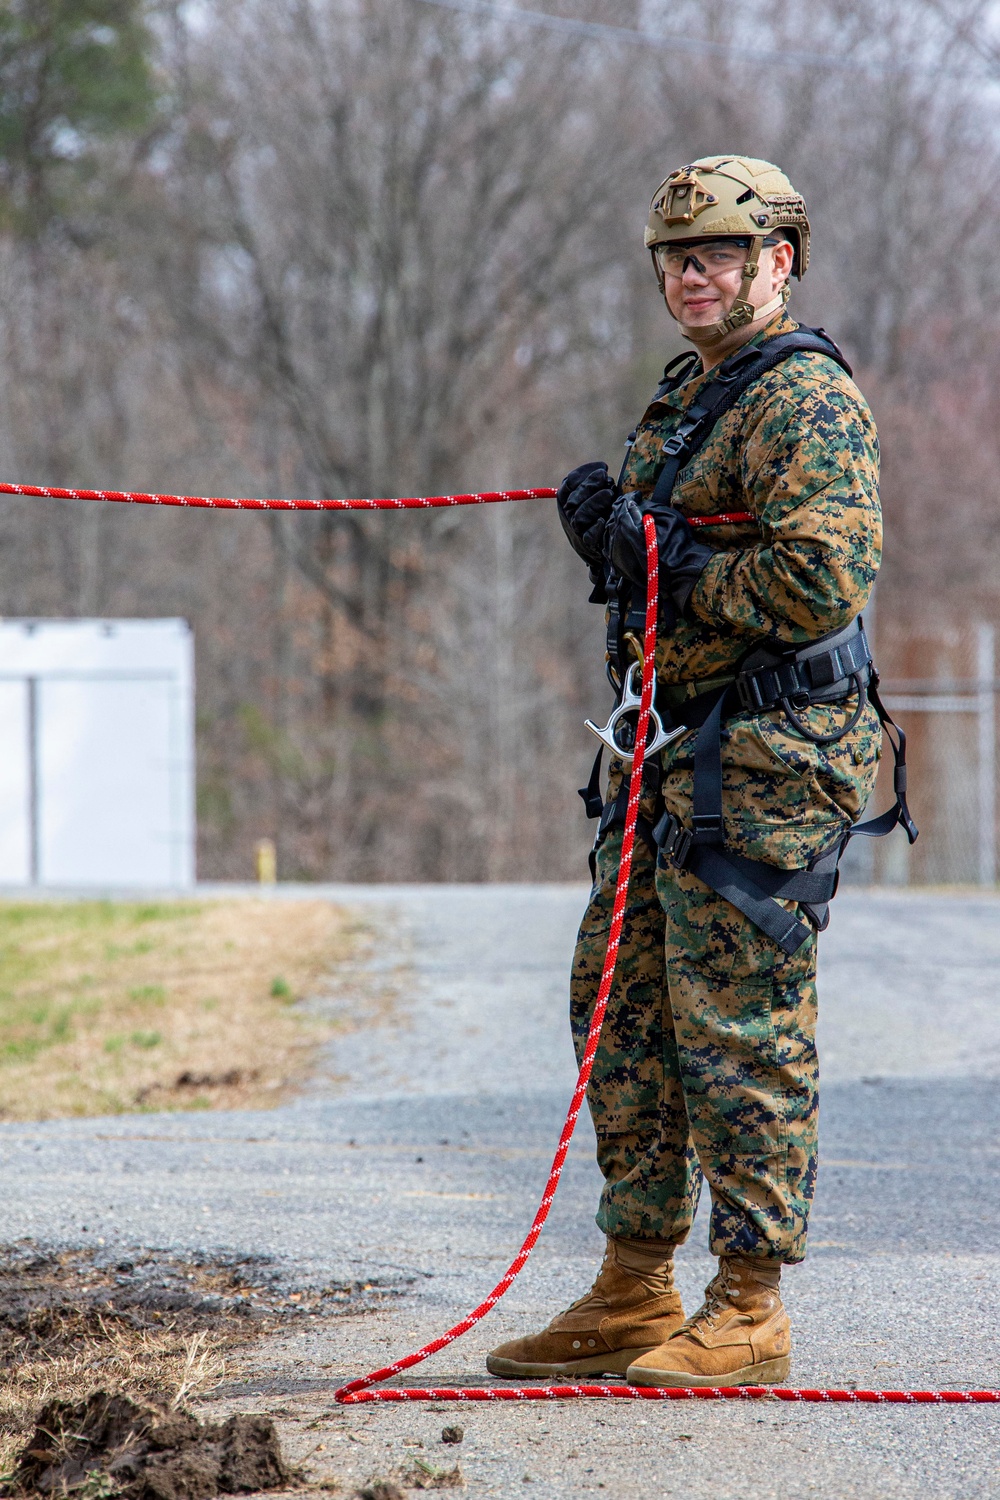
x=15, y=784
x=105, y=782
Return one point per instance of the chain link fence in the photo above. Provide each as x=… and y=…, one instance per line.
x=949, y=716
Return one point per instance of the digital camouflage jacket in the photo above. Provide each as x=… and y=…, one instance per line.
x=800, y=452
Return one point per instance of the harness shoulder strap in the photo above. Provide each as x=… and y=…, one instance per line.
x=753, y=887
x=734, y=376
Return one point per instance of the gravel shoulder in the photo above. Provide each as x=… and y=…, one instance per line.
x=406, y=1176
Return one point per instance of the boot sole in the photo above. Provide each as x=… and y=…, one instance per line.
x=615, y=1363
x=767, y=1372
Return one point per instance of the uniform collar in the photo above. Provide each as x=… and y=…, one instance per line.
x=682, y=398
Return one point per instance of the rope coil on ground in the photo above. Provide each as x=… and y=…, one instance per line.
x=360, y=1390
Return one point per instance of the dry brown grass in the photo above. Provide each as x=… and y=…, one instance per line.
x=108, y=1007
x=156, y=1327
x=165, y=1363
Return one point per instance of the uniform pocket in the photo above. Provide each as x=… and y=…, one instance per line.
x=703, y=930
x=786, y=798
x=841, y=775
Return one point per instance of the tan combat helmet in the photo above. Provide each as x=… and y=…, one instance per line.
x=722, y=197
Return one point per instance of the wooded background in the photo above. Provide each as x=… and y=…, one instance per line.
x=384, y=247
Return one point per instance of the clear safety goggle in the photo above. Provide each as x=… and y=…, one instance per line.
x=710, y=257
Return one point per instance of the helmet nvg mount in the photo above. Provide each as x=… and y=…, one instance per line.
x=730, y=197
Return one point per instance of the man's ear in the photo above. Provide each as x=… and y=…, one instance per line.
x=784, y=254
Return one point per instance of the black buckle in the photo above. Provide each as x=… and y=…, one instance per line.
x=768, y=686
x=735, y=365
x=749, y=693
x=609, y=812
x=687, y=430
x=673, y=840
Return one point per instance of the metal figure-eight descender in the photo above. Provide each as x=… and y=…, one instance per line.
x=619, y=732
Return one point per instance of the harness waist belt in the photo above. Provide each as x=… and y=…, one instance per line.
x=824, y=671
x=811, y=676
x=806, y=677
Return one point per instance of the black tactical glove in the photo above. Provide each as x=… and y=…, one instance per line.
x=682, y=556
x=584, y=501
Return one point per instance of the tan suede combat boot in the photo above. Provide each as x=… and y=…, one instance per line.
x=631, y=1307
x=739, y=1336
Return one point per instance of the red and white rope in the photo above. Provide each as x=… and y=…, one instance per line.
x=672, y=1393
x=218, y=502
x=409, y=502
x=360, y=1390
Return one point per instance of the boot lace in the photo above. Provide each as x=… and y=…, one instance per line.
x=717, y=1300
x=588, y=1296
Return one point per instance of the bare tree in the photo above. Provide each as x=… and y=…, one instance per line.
x=398, y=216
x=384, y=246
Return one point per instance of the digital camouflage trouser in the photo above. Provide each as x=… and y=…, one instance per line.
x=707, y=1061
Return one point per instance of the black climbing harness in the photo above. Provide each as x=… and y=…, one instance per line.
x=832, y=669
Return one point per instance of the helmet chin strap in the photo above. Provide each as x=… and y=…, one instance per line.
x=742, y=312
x=713, y=333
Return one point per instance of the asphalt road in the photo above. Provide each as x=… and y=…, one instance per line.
x=414, y=1164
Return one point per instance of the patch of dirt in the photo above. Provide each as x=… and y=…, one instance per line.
x=48, y=1297
x=427, y=1477
x=108, y=1445
x=145, y=1325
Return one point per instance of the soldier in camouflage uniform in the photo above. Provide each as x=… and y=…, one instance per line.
x=707, y=1062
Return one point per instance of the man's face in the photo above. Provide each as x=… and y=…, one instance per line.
x=701, y=281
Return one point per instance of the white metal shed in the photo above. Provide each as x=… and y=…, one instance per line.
x=97, y=753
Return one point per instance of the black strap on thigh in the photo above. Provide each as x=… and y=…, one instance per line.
x=612, y=814
x=752, y=886
x=593, y=798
